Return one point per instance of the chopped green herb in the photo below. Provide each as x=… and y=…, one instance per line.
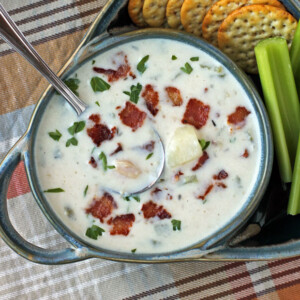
x=56, y=135
x=94, y=231
x=134, y=93
x=72, y=141
x=176, y=224
x=76, y=127
x=187, y=68
x=204, y=201
x=190, y=179
x=56, y=190
x=93, y=62
x=111, y=167
x=204, y=144
x=72, y=84
x=133, y=250
x=141, y=65
x=85, y=190
x=102, y=157
x=97, y=103
x=196, y=58
x=174, y=57
x=149, y=155
x=99, y=85
x=136, y=198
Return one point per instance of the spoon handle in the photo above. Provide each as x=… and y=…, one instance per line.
x=14, y=37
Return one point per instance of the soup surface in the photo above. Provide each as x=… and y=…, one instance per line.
x=139, y=92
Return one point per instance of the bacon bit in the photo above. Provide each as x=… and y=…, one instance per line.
x=118, y=107
x=151, y=97
x=149, y=147
x=169, y=197
x=221, y=184
x=132, y=117
x=177, y=175
x=151, y=209
x=95, y=118
x=205, y=90
x=118, y=149
x=208, y=190
x=238, y=117
x=93, y=163
x=174, y=95
x=202, y=159
x=100, y=133
x=121, y=224
x=222, y=175
x=155, y=191
x=114, y=75
x=246, y=153
x=196, y=113
x=102, y=207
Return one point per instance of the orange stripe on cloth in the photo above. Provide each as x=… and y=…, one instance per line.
x=18, y=184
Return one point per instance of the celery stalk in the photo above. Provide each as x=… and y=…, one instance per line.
x=295, y=57
x=294, y=200
x=281, y=100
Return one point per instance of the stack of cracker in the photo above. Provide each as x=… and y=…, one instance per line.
x=235, y=26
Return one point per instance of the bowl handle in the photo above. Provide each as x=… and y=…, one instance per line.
x=8, y=232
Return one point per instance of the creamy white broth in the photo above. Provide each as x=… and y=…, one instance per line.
x=68, y=168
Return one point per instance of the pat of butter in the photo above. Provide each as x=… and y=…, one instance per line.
x=183, y=146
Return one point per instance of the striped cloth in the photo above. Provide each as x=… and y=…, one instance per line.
x=55, y=27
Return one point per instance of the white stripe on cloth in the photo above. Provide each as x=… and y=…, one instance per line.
x=73, y=15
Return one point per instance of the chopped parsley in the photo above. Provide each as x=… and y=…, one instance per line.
x=99, y=85
x=174, y=57
x=72, y=141
x=176, y=224
x=85, y=190
x=76, y=127
x=56, y=190
x=72, y=84
x=102, y=157
x=149, y=155
x=97, y=103
x=205, y=67
x=55, y=135
x=93, y=62
x=141, y=65
x=111, y=167
x=204, y=144
x=136, y=198
x=134, y=93
x=195, y=58
x=133, y=250
x=187, y=68
x=94, y=231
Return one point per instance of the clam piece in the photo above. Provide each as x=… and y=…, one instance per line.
x=127, y=168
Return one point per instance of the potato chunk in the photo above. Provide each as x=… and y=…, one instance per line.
x=183, y=147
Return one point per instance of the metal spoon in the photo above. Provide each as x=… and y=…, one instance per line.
x=15, y=38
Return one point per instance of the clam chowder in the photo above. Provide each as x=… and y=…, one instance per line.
x=91, y=168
